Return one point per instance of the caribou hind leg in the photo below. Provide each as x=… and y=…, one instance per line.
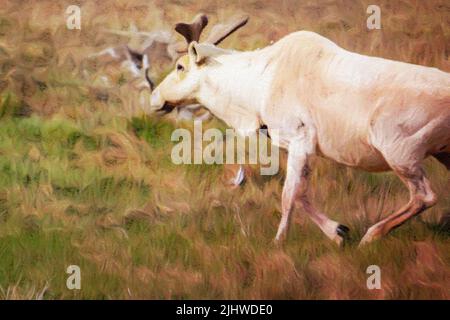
x=421, y=198
x=404, y=154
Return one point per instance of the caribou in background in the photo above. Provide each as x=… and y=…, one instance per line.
x=148, y=55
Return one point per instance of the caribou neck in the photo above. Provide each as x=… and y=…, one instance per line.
x=236, y=87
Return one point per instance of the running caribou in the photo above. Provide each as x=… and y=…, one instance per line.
x=154, y=51
x=148, y=54
x=320, y=99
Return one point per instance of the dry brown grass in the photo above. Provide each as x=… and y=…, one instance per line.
x=86, y=179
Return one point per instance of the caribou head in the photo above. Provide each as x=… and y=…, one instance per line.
x=180, y=81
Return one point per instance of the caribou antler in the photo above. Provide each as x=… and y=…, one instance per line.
x=144, y=47
x=192, y=31
x=220, y=31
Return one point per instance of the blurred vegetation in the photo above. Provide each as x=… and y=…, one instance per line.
x=86, y=177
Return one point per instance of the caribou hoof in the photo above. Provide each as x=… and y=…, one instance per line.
x=365, y=241
x=342, y=230
x=368, y=238
x=341, y=235
x=372, y=234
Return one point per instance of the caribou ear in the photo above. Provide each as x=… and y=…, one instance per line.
x=192, y=52
x=200, y=52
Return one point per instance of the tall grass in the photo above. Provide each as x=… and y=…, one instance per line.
x=86, y=178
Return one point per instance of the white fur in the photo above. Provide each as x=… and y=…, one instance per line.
x=361, y=111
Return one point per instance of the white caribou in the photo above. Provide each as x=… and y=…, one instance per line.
x=360, y=111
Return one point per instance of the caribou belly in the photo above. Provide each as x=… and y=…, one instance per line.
x=347, y=144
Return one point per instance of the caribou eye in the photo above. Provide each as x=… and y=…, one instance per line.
x=180, y=67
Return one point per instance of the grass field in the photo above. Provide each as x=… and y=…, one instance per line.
x=86, y=178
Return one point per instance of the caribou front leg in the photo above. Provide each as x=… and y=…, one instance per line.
x=297, y=160
x=332, y=229
x=296, y=188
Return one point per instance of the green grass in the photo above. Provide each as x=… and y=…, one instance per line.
x=86, y=179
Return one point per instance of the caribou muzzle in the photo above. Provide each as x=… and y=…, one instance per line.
x=158, y=105
x=166, y=108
